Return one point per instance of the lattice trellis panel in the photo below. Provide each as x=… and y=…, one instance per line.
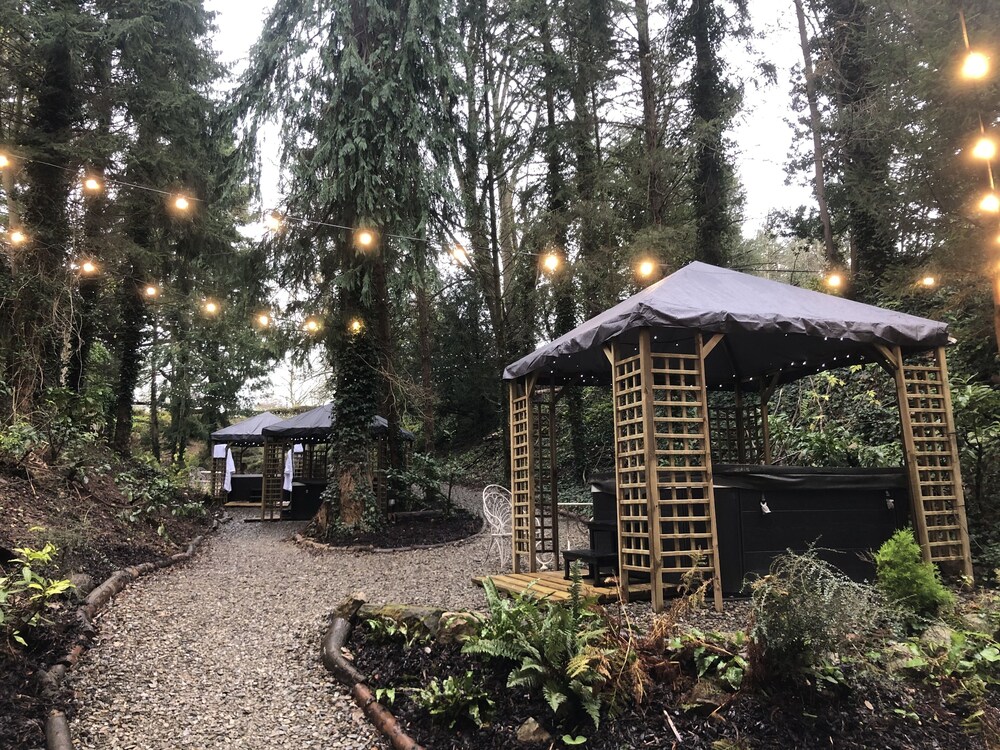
x=932, y=459
x=737, y=435
x=522, y=474
x=634, y=522
x=218, y=477
x=273, y=475
x=666, y=521
x=546, y=528
x=685, y=495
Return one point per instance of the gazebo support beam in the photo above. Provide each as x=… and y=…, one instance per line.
x=522, y=473
x=930, y=447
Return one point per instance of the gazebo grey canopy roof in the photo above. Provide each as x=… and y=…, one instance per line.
x=770, y=329
x=247, y=432
x=317, y=424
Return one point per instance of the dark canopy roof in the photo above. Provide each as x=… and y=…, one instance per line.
x=771, y=328
x=247, y=432
x=317, y=424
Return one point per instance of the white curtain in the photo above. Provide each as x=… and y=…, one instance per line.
x=287, y=485
x=227, y=485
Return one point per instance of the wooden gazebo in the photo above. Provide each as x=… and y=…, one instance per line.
x=312, y=431
x=241, y=435
x=701, y=331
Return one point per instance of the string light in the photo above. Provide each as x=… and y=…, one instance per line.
x=92, y=185
x=211, y=307
x=17, y=237
x=646, y=268
x=975, y=66
x=274, y=221
x=263, y=320
x=311, y=325
x=88, y=267
x=181, y=203
x=551, y=262
x=990, y=203
x=985, y=148
x=834, y=281
x=4, y=161
x=365, y=238
x=928, y=281
x=152, y=291
x=459, y=254
x=356, y=326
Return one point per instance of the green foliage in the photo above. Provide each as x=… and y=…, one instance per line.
x=153, y=491
x=455, y=700
x=837, y=418
x=714, y=656
x=971, y=658
x=804, y=609
x=977, y=423
x=26, y=593
x=18, y=441
x=389, y=629
x=908, y=581
x=421, y=483
x=559, y=651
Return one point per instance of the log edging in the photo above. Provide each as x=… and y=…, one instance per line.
x=57, y=732
x=331, y=652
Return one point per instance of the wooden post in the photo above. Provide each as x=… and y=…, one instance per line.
x=766, y=391
x=522, y=474
x=910, y=456
x=623, y=576
x=554, y=478
x=942, y=361
x=710, y=485
x=650, y=466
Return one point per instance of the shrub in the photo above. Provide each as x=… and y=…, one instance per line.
x=908, y=581
x=25, y=593
x=803, y=610
x=561, y=651
x=455, y=700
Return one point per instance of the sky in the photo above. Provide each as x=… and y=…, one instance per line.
x=761, y=132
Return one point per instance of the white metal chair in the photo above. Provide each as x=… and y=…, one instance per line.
x=498, y=507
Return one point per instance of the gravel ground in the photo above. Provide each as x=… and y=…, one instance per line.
x=223, y=651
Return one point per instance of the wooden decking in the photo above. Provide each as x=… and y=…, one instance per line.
x=549, y=584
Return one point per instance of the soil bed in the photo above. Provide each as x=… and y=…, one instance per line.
x=413, y=531
x=791, y=719
x=89, y=521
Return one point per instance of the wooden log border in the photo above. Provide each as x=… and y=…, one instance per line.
x=57, y=732
x=332, y=653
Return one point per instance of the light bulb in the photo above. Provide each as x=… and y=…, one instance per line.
x=92, y=184
x=928, y=281
x=355, y=326
x=975, y=66
x=460, y=256
x=364, y=238
x=264, y=320
x=990, y=203
x=18, y=237
x=181, y=203
x=311, y=325
x=985, y=149
x=152, y=291
x=211, y=307
x=88, y=267
x=646, y=268
x=834, y=281
x=551, y=262
x=274, y=221
x=4, y=161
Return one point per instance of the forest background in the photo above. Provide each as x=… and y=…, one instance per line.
x=515, y=162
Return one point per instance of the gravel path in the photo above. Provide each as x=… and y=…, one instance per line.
x=223, y=652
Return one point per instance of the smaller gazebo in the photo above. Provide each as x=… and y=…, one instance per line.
x=242, y=435
x=304, y=439
x=666, y=352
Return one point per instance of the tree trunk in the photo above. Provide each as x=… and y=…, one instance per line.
x=154, y=401
x=656, y=191
x=707, y=103
x=833, y=255
x=425, y=351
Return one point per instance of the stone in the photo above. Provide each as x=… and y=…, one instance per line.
x=457, y=626
x=937, y=638
x=704, y=697
x=532, y=733
x=422, y=619
x=83, y=585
